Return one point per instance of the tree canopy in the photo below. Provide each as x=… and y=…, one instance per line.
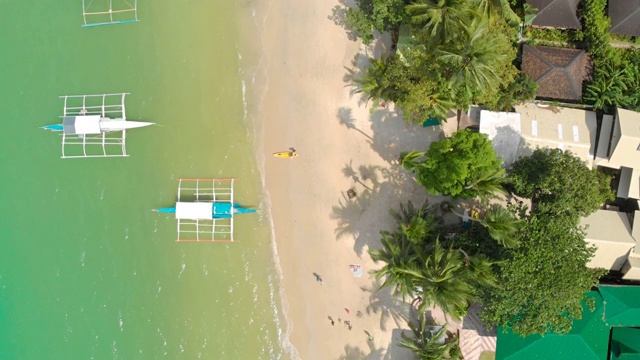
x=460, y=53
x=543, y=281
x=452, y=165
x=560, y=183
x=418, y=265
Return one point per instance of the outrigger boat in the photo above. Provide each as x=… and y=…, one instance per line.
x=94, y=126
x=202, y=211
x=205, y=210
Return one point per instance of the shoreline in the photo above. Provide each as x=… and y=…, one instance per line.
x=303, y=100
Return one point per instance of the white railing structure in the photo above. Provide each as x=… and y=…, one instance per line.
x=196, y=226
x=109, y=12
x=94, y=126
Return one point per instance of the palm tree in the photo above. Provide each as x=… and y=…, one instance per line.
x=489, y=183
x=502, y=8
x=408, y=160
x=441, y=19
x=427, y=343
x=373, y=82
x=472, y=65
x=401, y=250
x=445, y=282
x=401, y=269
x=501, y=225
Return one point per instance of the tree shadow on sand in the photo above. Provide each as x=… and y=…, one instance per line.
x=346, y=118
x=377, y=191
x=339, y=14
x=392, y=135
x=356, y=353
x=389, y=306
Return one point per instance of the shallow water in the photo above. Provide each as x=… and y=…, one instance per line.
x=87, y=270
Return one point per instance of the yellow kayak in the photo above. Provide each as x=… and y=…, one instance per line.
x=286, y=154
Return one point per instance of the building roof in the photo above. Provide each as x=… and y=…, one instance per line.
x=616, y=307
x=624, y=141
x=625, y=344
x=610, y=232
x=621, y=305
x=534, y=126
x=556, y=13
x=625, y=17
x=587, y=340
x=559, y=72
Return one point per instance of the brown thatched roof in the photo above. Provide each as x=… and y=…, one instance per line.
x=559, y=72
x=625, y=17
x=556, y=13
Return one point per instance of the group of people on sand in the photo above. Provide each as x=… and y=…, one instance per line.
x=346, y=323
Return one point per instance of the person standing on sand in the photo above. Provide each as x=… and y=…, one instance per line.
x=319, y=279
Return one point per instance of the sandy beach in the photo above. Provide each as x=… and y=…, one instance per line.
x=309, y=104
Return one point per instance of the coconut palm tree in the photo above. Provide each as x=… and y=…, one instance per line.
x=408, y=160
x=427, y=343
x=500, y=7
x=445, y=282
x=373, y=82
x=402, y=249
x=401, y=269
x=472, y=65
x=440, y=19
x=500, y=223
x=502, y=226
x=489, y=183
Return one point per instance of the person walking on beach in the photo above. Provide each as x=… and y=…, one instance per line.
x=318, y=278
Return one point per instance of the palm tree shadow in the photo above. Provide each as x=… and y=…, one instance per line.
x=348, y=212
x=389, y=306
x=364, y=173
x=346, y=118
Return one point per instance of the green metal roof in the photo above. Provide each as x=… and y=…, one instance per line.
x=625, y=344
x=616, y=316
x=588, y=339
x=621, y=305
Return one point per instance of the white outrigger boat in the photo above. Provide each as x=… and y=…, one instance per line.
x=94, y=126
x=205, y=209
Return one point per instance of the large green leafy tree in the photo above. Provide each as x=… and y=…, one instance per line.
x=451, y=165
x=375, y=15
x=543, y=281
x=560, y=183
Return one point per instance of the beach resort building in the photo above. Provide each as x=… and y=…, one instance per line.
x=531, y=126
x=611, y=331
x=619, y=148
x=615, y=234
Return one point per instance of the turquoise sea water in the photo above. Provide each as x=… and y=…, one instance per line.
x=87, y=271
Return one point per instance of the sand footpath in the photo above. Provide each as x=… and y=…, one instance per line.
x=309, y=104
